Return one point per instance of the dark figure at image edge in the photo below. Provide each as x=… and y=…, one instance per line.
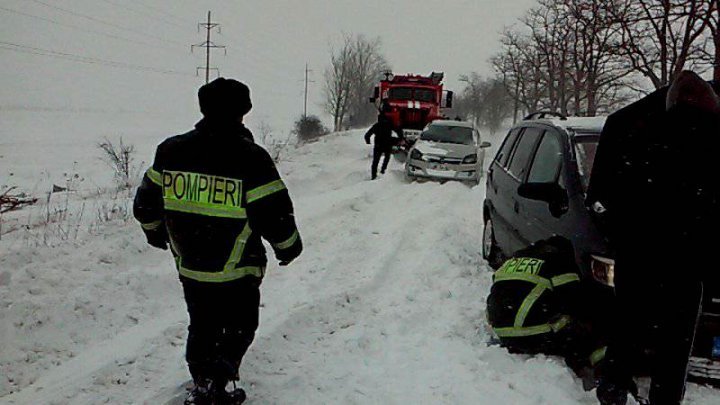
x=654, y=187
x=537, y=305
x=212, y=194
x=384, y=143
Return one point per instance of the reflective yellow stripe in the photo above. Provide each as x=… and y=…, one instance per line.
x=532, y=330
x=193, y=207
x=598, y=355
x=289, y=242
x=264, y=191
x=522, y=277
x=154, y=176
x=564, y=279
x=229, y=272
x=238, y=248
x=560, y=323
x=151, y=226
x=527, y=304
x=222, y=276
x=524, y=331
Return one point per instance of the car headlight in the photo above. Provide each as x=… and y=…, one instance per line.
x=470, y=159
x=416, y=154
x=603, y=270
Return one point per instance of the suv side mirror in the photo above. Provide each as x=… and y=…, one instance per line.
x=485, y=145
x=551, y=193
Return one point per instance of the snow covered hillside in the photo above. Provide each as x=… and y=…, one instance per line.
x=386, y=304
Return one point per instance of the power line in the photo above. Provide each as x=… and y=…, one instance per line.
x=51, y=21
x=97, y=20
x=163, y=12
x=134, y=10
x=85, y=59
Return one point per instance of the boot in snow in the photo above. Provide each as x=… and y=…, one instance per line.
x=199, y=395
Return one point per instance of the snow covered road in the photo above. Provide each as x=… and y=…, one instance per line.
x=386, y=305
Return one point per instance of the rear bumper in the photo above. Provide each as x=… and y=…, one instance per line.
x=420, y=168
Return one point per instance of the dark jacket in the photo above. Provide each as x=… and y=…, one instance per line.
x=536, y=292
x=212, y=194
x=654, y=173
x=383, y=130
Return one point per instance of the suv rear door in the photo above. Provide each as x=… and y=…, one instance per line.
x=496, y=192
x=506, y=180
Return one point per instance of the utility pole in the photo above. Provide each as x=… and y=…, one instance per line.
x=306, y=90
x=209, y=25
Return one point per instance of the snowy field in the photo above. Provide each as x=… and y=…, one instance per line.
x=386, y=304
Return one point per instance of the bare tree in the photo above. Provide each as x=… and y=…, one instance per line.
x=660, y=38
x=521, y=72
x=354, y=68
x=599, y=74
x=486, y=101
x=338, y=83
x=712, y=48
x=563, y=58
x=368, y=66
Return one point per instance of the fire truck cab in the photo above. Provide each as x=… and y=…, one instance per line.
x=412, y=101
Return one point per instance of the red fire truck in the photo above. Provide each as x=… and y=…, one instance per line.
x=412, y=101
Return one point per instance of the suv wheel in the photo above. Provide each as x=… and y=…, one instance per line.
x=491, y=251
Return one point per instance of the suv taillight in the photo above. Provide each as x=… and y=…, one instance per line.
x=603, y=270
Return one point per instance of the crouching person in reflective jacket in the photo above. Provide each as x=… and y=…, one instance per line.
x=536, y=305
x=211, y=195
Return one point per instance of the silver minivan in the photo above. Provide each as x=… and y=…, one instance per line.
x=447, y=150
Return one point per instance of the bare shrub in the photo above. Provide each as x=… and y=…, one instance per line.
x=11, y=200
x=120, y=158
x=274, y=146
x=309, y=128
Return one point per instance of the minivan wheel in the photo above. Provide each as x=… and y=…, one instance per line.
x=491, y=251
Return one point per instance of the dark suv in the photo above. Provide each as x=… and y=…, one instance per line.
x=536, y=189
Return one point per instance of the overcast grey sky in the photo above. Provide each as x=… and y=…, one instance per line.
x=268, y=43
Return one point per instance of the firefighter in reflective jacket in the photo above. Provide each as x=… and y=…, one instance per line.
x=536, y=306
x=212, y=194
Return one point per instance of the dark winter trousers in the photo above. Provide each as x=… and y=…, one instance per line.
x=656, y=315
x=223, y=320
x=379, y=151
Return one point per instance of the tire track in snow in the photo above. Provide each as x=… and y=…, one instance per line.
x=370, y=284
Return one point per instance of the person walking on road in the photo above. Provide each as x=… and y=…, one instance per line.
x=384, y=143
x=211, y=195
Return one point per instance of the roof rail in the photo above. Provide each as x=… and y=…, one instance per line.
x=545, y=114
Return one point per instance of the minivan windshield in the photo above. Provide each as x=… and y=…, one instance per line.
x=585, y=148
x=448, y=134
